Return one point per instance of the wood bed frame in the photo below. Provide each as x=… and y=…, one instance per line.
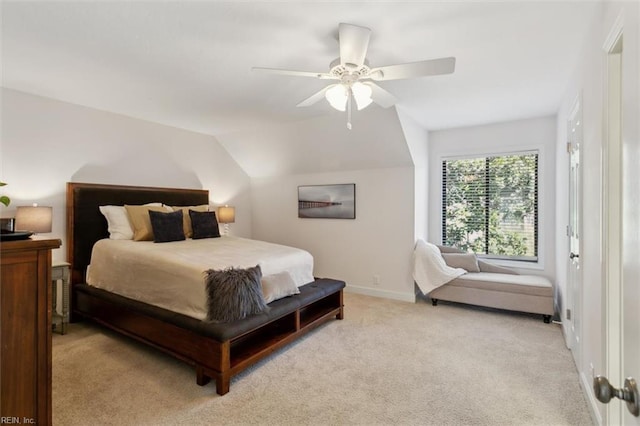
x=183, y=337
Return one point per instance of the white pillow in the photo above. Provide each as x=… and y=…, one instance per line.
x=117, y=222
x=277, y=286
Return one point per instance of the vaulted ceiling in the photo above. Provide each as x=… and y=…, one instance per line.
x=188, y=64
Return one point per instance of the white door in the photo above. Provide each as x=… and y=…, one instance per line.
x=630, y=342
x=622, y=228
x=574, y=295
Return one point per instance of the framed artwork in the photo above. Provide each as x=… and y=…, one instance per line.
x=327, y=201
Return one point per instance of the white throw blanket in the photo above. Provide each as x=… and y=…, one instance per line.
x=429, y=268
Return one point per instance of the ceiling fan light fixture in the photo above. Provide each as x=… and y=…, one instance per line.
x=337, y=96
x=362, y=94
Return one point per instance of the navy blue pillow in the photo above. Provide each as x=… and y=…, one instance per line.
x=166, y=226
x=204, y=224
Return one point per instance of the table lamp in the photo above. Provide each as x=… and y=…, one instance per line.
x=36, y=219
x=226, y=215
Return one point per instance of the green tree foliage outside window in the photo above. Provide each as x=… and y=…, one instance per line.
x=490, y=205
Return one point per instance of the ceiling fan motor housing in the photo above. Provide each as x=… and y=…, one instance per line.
x=349, y=72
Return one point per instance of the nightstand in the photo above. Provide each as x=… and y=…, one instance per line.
x=25, y=377
x=60, y=272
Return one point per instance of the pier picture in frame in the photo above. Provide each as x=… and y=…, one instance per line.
x=327, y=201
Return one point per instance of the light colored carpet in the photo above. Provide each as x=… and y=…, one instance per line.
x=386, y=363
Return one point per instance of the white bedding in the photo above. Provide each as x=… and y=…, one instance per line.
x=171, y=275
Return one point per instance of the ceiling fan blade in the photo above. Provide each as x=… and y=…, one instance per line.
x=320, y=75
x=354, y=42
x=315, y=97
x=414, y=69
x=381, y=96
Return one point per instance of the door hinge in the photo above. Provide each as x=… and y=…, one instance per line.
x=569, y=147
x=568, y=314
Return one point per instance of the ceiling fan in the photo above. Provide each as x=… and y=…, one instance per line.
x=356, y=79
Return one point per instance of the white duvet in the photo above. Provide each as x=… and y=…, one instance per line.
x=171, y=275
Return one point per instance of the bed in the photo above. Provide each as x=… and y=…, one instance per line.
x=217, y=350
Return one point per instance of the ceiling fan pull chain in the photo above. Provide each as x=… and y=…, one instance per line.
x=349, y=102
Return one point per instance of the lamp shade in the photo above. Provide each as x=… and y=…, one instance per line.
x=226, y=214
x=362, y=94
x=35, y=219
x=337, y=96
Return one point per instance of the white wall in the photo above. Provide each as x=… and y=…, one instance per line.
x=585, y=84
x=537, y=133
x=376, y=157
x=588, y=81
x=417, y=139
x=322, y=144
x=46, y=143
x=378, y=242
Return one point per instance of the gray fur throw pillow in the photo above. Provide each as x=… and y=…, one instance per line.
x=234, y=293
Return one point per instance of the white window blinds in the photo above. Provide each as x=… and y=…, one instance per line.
x=490, y=205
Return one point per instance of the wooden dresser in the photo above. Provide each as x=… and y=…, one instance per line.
x=25, y=327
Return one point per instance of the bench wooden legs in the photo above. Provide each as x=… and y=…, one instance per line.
x=201, y=378
x=340, y=314
x=223, y=381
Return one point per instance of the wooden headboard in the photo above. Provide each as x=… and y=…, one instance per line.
x=86, y=225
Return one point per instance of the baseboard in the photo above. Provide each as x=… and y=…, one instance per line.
x=585, y=383
x=385, y=294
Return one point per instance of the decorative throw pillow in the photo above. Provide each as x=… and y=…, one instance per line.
x=277, y=286
x=139, y=218
x=466, y=261
x=234, y=294
x=188, y=230
x=166, y=226
x=448, y=249
x=204, y=224
x=118, y=223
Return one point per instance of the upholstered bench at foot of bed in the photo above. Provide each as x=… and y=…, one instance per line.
x=524, y=293
x=217, y=350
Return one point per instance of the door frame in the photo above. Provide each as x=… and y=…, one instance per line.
x=612, y=193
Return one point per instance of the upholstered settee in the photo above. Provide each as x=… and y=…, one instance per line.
x=494, y=286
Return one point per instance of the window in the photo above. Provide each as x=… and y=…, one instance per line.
x=490, y=205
